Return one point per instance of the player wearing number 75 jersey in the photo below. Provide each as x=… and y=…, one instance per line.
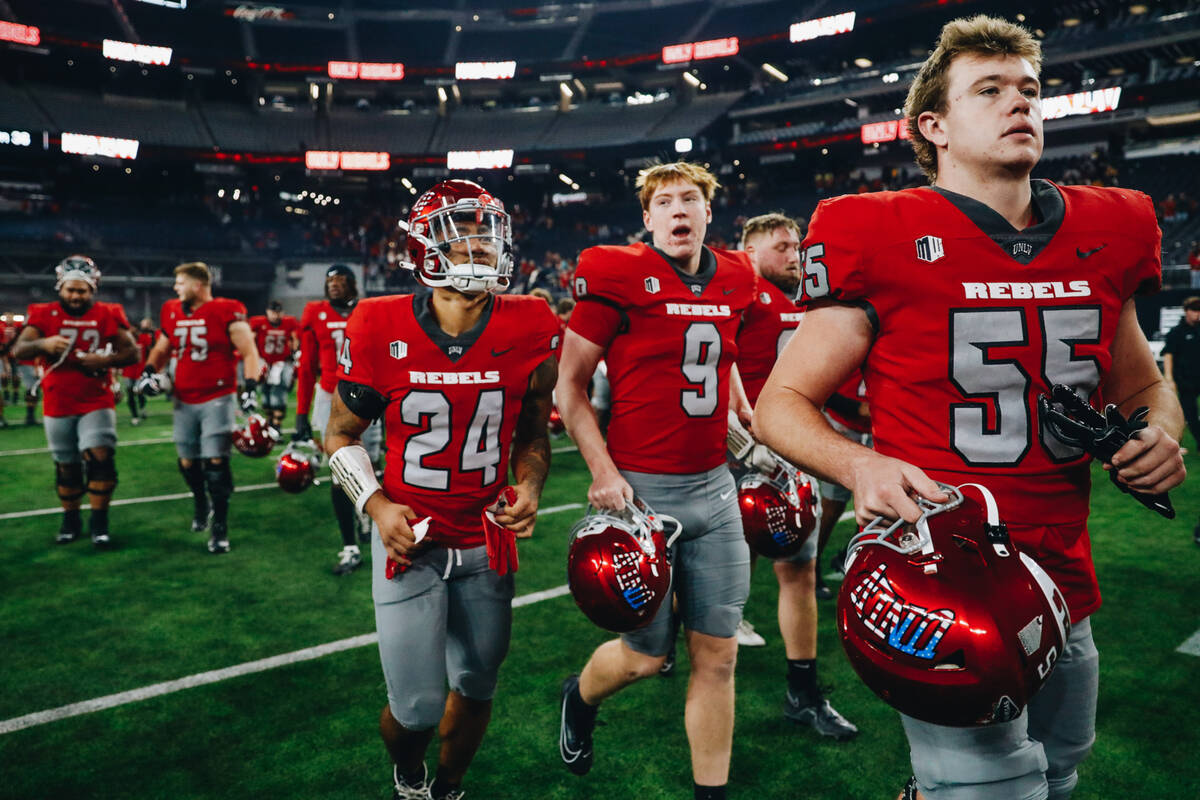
x=665, y=317
x=204, y=331
x=964, y=301
x=463, y=377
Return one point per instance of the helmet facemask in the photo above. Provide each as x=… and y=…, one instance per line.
x=466, y=246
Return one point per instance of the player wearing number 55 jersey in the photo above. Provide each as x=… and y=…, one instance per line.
x=464, y=379
x=276, y=335
x=665, y=318
x=204, y=331
x=964, y=302
x=78, y=341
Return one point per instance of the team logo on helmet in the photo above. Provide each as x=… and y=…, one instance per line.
x=891, y=619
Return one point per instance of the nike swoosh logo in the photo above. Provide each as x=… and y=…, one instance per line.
x=568, y=755
x=727, y=495
x=496, y=354
x=1086, y=253
x=729, y=291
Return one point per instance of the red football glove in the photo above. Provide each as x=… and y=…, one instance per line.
x=420, y=529
x=500, y=541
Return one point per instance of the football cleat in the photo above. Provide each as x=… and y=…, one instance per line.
x=403, y=790
x=667, y=670
x=349, y=559
x=66, y=535
x=1196, y=534
x=748, y=637
x=101, y=540
x=819, y=715
x=218, y=542
x=909, y=792
x=821, y=589
x=946, y=619
x=202, y=519
x=574, y=744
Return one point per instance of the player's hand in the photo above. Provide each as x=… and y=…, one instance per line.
x=883, y=487
x=248, y=398
x=610, y=491
x=55, y=345
x=1151, y=462
x=148, y=384
x=303, y=429
x=92, y=363
x=392, y=520
x=518, y=517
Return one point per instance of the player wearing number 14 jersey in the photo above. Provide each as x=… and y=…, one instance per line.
x=964, y=302
x=464, y=379
x=204, y=331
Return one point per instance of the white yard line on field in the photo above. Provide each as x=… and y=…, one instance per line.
x=1190, y=647
x=248, y=668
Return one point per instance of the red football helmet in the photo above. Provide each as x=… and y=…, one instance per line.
x=458, y=219
x=296, y=469
x=945, y=619
x=256, y=438
x=556, y=425
x=618, y=565
x=780, y=511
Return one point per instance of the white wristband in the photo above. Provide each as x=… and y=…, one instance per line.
x=738, y=439
x=352, y=470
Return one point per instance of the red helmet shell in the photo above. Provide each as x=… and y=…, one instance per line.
x=618, y=579
x=256, y=438
x=961, y=629
x=774, y=525
x=296, y=469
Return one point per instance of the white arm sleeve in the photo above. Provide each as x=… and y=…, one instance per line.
x=352, y=470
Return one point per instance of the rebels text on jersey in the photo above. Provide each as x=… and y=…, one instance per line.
x=68, y=390
x=452, y=402
x=670, y=341
x=274, y=342
x=322, y=336
x=206, y=368
x=974, y=321
x=767, y=326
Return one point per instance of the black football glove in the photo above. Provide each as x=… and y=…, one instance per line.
x=1100, y=435
x=303, y=429
x=248, y=398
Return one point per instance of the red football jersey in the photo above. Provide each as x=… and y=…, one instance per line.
x=974, y=321
x=68, y=390
x=453, y=402
x=670, y=340
x=274, y=341
x=206, y=368
x=145, y=343
x=322, y=334
x=766, y=327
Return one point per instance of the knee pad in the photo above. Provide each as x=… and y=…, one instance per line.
x=68, y=480
x=101, y=471
x=996, y=762
x=218, y=478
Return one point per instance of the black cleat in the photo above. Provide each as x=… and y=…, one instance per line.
x=66, y=535
x=349, y=559
x=820, y=716
x=822, y=591
x=838, y=562
x=574, y=746
x=201, y=520
x=667, y=669
x=218, y=541
x=101, y=540
x=403, y=790
x=909, y=792
x=1196, y=534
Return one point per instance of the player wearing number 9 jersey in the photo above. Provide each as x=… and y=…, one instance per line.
x=964, y=302
x=665, y=318
x=204, y=331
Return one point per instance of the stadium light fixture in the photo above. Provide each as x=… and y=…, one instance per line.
x=863, y=62
x=566, y=90
x=1071, y=22
x=775, y=73
x=683, y=145
x=314, y=91
x=562, y=177
x=1138, y=8
x=691, y=79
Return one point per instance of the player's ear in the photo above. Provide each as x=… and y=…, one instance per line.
x=646, y=218
x=931, y=127
x=707, y=211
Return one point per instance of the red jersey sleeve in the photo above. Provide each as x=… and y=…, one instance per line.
x=832, y=251
x=1145, y=277
x=597, y=316
x=357, y=367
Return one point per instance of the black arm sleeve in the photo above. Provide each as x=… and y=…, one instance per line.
x=362, y=400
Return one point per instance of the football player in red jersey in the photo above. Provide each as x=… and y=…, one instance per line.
x=322, y=337
x=8, y=335
x=773, y=243
x=204, y=331
x=964, y=302
x=464, y=378
x=79, y=340
x=277, y=337
x=664, y=316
